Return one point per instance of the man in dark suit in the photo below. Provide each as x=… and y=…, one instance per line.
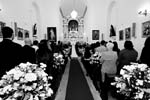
x=10, y=52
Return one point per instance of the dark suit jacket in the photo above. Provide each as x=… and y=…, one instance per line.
x=28, y=54
x=10, y=55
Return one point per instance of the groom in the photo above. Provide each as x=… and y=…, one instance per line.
x=10, y=52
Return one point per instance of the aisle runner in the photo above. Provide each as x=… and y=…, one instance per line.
x=77, y=88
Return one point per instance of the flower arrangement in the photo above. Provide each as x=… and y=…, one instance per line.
x=26, y=82
x=95, y=58
x=134, y=82
x=58, y=60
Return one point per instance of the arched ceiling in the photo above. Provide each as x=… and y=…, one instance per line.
x=67, y=6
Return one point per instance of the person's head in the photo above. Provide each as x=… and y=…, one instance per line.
x=7, y=32
x=128, y=45
x=102, y=42
x=43, y=44
x=27, y=41
x=115, y=45
x=35, y=42
x=109, y=45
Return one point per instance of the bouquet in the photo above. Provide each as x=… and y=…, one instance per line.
x=58, y=60
x=134, y=82
x=95, y=58
x=25, y=82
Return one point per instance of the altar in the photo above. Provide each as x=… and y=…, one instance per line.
x=73, y=31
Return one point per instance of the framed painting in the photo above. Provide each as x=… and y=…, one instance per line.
x=20, y=34
x=26, y=33
x=51, y=34
x=128, y=33
x=95, y=34
x=102, y=36
x=134, y=30
x=146, y=29
x=121, y=35
x=15, y=29
x=2, y=24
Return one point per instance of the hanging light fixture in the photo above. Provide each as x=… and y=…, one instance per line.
x=74, y=13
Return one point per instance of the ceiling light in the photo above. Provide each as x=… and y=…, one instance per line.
x=74, y=14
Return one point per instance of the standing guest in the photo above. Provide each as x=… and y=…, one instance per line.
x=35, y=45
x=145, y=58
x=10, y=52
x=115, y=48
x=28, y=52
x=127, y=55
x=109, y=69
x=44, y=55
x=108, y=60
x=101, y=48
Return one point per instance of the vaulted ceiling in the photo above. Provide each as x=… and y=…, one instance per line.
x=67, y=6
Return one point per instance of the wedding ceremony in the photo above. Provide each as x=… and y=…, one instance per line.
x=74, y=49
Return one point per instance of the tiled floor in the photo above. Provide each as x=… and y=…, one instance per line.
x=63, y=85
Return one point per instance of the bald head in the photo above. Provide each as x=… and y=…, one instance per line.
x=27, y=41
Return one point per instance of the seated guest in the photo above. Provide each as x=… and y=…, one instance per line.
x=10, y=52
x=28, y=52
x=145, y=57
x=127, y=55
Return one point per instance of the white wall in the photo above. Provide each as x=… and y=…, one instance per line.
x=100, y=14
x=127, y=14
x=95, y=18
x=28, y=12
x=120, y=13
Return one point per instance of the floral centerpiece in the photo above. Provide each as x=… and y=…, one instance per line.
x=134, y=82
x=26, y=82
x=95, y=58
x=58, y=60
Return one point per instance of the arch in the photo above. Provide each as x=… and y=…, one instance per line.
x=109, y=15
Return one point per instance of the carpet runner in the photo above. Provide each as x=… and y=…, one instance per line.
x=77, y=88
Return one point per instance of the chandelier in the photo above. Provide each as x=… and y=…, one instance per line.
x=74, y=14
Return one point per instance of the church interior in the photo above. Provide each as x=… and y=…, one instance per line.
x=84, y=21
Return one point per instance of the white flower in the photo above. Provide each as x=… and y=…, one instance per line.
x=42, y=94
x=18, y=74
x=36, y=98
x=34, y=85
x=30, y=77
x=50, y=92
x=139, y=95
x=142, y=66
x=6, y=88
x=122, y=72
x=41, y=87
x=42, y=65
x=28, y=88
x=50, y=77
x=23, y=65
x=44, y=79
x=12, y=71
x=139, y=82
x=17, y=94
